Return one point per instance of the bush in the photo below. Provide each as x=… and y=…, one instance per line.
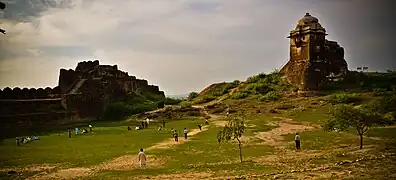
x=185, y=104
x=153, y=97
x=259, y=88
x=120, y=110
x=256, y=78
x=343, y=98
x=270, y=96
x=192, y=95
x=160, y=104
x=171, y=101
x=239, y=95
x=204, y=99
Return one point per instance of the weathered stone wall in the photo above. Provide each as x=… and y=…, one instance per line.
x=14, y=107
x=87, y=104
x=25, y=93
x=27, y=124
x=86, y=65
x=66, y=79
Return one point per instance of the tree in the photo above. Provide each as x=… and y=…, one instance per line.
x=362, y=118
x=233, y=131
x=192, y=95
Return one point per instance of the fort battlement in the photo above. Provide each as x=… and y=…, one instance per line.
x=83, y=92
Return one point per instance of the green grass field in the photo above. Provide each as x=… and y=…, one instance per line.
x=202, y=156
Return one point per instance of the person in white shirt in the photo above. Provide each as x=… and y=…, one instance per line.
x=185, y=133
x=297, y=139
x=142, y=158
x=90, y=127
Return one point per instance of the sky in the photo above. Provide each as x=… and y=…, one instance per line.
x=182, y=45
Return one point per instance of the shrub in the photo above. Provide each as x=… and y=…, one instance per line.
x=256, y=78
x=120, y=110
x=171, y=101
x=192, y=95
x=153, y=97
x=204, y=99
x=343, y=98
x=259, y=88
x=239, y=95
x=270, y=96
x=160, y=104
x=185, y=104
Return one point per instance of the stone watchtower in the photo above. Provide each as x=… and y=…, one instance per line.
x=312, y=57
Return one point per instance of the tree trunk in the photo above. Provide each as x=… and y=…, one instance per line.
x=240, y=149
x=361, y=141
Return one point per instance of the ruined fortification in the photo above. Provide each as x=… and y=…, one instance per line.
x=82, y=93
x=313, y=59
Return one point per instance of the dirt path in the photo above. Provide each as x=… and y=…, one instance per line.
x=285, y=126
x=171, y=141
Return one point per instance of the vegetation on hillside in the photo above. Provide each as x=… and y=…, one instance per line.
x=265, y=87
x=133, y=104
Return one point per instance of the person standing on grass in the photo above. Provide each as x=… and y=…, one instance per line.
x=147, y=121
x=297, y=139
x=200, y=127
x=90, y=127
x=76, y=131
x=176, y=136
x=163, y=123
x=142, y=158
x=69, y=131
x=185, y=133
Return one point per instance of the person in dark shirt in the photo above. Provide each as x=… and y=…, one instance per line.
x=176, y=136
x=69, y=131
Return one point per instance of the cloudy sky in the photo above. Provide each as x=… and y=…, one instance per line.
x=181, y=45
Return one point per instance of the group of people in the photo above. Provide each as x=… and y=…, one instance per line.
x=176, y=135
x=25, y=140
x=77, y=130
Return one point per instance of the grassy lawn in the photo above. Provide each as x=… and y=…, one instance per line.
x=203, y=154
x=107, y=141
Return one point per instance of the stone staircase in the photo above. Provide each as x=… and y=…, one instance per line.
x=77, y=86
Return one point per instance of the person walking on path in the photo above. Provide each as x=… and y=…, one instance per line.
x=185, y=133
x=200, y=127
x=142, y=158
x=297, y=139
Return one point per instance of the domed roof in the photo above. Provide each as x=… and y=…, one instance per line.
x=309, y=23
x=308, y=19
